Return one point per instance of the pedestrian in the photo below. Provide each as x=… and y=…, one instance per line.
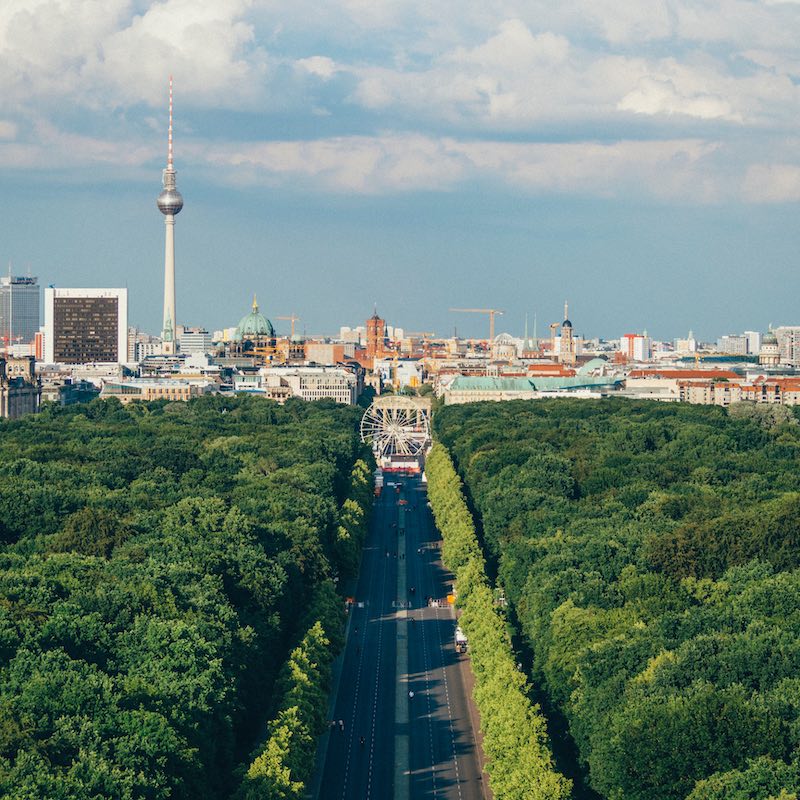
x=341, y=725
x=411, y=695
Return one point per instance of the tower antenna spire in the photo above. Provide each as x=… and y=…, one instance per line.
x=169, y=134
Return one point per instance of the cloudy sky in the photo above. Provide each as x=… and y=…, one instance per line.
x=641, y=160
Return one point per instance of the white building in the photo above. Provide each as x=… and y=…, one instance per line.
x=142, y=345
x=732, y=345
x=353, y=335
x=85, y=326
x=687, y=345
x=788, y=344
x=394, y=333
x=636, y=347
x=194, y=340
x=224, y=335
x=146, y=389
x=753, y=342
x=311, y=383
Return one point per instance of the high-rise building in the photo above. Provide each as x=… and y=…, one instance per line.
x=142, y=345
x=169, y=202
x=732, y=344
x=753, y=342
x=788, y=344
x=687, y=345
x=19, y=310
x=85, y=326
x=195, y=340
x=635, y=346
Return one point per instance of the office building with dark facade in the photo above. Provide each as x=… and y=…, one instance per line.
x=86, y=326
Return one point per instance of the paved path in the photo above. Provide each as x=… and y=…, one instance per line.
x=420, y=747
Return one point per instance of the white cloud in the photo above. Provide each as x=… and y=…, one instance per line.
x=52, y=149
x=516, y=78
x=455, y=77
x=204, y=43
x=391, y=163
x=321, y=66
x=107, y=53
x=772, y=183
x=661, y=96
x=513, y=47
x=358, y=164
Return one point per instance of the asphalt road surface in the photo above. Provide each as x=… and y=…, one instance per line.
x=390, y=745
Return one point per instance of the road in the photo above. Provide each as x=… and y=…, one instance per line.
x=413, y=747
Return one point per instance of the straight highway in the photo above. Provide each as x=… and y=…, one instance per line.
x=402, y=726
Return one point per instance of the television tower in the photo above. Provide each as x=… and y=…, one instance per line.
x=169, y=204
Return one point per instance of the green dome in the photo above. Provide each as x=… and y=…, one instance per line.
x=253, y=326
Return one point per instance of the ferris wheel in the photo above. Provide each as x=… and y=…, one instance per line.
x=396, y=425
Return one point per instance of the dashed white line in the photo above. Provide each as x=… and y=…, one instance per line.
x=430, y=711
x=375, y=694
x=358, y=686
x=449, y=710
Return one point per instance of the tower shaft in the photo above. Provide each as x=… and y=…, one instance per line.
x=168, y=330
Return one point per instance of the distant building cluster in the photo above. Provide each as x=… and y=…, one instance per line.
x=85, y=348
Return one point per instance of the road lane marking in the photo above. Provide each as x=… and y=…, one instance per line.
x=449, y=710
x=402, y=772
x=362, y=645
x=377, y=686
x=430, y=711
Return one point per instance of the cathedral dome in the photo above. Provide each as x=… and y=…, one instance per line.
x=254, y=326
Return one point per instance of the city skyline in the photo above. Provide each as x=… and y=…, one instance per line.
x=641, y=163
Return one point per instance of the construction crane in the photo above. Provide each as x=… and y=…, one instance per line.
x=293, y=319
x=490, y=311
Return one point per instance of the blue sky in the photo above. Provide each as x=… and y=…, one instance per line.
x=639, y=159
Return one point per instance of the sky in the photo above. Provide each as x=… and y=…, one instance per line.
x=640, y=160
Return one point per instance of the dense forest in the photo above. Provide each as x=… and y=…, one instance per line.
x=650, y=553
x=166, y=583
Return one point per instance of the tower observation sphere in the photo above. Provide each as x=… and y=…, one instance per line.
x=170, y=201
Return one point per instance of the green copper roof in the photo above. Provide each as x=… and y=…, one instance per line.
x=253, y=325
x=543, y=384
